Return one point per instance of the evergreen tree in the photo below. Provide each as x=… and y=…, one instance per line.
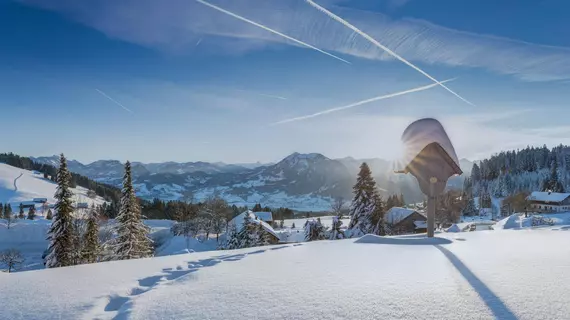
x=32, y=213
x=363, y=203
x=132, y=240
x=401, y=200
x=475, y=173
x=553, y=184
x=1, y=210
x=7, y=210
x=470, y=208
x=377, y=218
x=248, y=233
x=257, y=208
x=264, y=237
x=49, y=215
x=314, y=230
x=293, y=225
x=60, y=233
x=336, y=232
x=91, y=246
x=233, y=241
x=21, y=214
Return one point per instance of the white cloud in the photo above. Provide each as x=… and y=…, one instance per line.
x=177, y=25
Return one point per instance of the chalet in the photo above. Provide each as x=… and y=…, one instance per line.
x=549, y=201
x=40, y=200
x=238, y=223
x=82, y=205
x=27, y=204
x=265, y=217
x=403, y=220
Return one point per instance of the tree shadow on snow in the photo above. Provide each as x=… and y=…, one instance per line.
x=410, y=241
x=493, y=302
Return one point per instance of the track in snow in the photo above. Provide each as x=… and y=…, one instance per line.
x=15, y=180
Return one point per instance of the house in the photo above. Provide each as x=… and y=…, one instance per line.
x=82, y=205
x=403, y=220
x=26, y=204
x=549, y=201
x=40, y=200
x=265, y=217
x=238, y=223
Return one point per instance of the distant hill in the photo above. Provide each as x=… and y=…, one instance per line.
x=305, y=182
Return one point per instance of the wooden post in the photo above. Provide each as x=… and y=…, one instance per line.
x=431, y=209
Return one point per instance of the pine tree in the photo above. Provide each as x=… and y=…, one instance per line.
x=377, y=217
x=363, y=206
x=264, y=237
x=60, y=233
x=91, y=246
x=314, y=230
x=233, y=241
x=32, y=213
x=248, y=233
x=8, y=210
x=257, y=208
x=49, y=215
x=21, y=214
x=470, y=208
x=132, y=241
x=1, y=210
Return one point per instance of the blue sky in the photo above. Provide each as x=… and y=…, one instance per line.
x=177, y=80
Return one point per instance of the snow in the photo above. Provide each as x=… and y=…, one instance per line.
x=238, y=222
x=19, y=185
x=548, y=196
x=397, y=214
x=264, y=216
x=453, y=228
x=506, y=274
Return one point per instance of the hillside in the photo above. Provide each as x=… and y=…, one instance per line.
x=19, y=185
x=305, y=182
x=461, y=278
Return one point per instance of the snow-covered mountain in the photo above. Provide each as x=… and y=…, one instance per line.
x=299, y=181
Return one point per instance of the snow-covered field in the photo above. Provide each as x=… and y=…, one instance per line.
x=18, y=185
x=506, y=274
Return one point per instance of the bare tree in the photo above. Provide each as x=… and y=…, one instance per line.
x=216, y=211
x=337, y=207
x=9, y=218
x=449, y=207
x=12, y=259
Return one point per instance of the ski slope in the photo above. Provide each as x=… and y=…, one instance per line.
x=19, y=185
x=506, y=274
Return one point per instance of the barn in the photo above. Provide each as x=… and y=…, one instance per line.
x=404, y=220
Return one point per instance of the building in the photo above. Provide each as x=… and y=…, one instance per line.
x=549, y=201
x=27, y=204
x=403, y=220
x=40, y=200
x=238, y=223
x=265, y=217
x=82, y=205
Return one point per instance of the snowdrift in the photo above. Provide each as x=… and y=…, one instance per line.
x=495, y=272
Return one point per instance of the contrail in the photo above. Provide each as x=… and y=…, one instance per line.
x=197, y=43
x=269, y=29
x=263, y=94
x=115, y=101
x=352, y=105
x=378, y=44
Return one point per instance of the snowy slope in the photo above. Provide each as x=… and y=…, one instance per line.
x=477, y=275
x=18, y=185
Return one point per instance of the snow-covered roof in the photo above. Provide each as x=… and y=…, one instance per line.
x=420, y=224
x=453, y=228
x=397, y=214
x=548, y=196
x=265, y=216
x=238, y=222
x=421, y=133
